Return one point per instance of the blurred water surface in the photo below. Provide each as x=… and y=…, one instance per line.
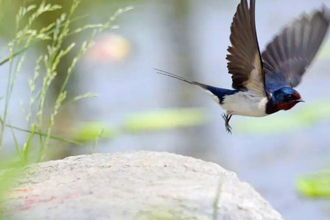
x=190, y=38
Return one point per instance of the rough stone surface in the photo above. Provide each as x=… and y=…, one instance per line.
x=139, y=186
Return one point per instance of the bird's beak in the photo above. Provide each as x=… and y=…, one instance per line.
x=300, y=100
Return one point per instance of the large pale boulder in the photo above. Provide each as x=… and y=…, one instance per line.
x=139, y=186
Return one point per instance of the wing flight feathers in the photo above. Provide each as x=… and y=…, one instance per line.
x=292, y=51
x=244, y=59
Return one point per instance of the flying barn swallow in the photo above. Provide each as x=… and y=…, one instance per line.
x=263, y=82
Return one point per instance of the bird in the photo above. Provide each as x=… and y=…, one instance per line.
x=264, y=83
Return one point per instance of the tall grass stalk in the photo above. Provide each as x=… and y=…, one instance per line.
x=41, y=120
x=25, y=36
x=56, y=35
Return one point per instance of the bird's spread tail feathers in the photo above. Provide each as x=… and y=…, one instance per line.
x=218, y=93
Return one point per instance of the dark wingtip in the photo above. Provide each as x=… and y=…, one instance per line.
x=252, y=3
x=325, y=12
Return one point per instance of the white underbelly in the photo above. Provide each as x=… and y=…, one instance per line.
x=245, y=103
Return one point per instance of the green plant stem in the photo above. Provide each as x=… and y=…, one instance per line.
x=14, y=55
x=62, y=139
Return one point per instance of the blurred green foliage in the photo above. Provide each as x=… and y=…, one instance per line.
x=157, y=120
x=11, y=170
x=92, y=131
x=86, y=9
x=165, y=119
x=315, y=185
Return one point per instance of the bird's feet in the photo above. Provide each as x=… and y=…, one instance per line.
x=227, y=118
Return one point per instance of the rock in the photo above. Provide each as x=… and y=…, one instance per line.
x=139, y=186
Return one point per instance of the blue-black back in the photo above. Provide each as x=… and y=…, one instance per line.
x=220, y=92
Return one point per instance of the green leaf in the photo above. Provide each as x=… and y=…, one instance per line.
x=92, y=131
x=165, y=119
x=316, y=185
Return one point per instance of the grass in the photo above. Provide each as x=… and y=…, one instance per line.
x=56, y=39
x=54, y=44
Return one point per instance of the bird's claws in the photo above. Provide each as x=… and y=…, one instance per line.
x=227, y=118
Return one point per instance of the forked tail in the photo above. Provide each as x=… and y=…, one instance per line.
x=165, y=73
x=220, y=93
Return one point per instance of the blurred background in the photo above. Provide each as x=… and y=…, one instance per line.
x=129, y=107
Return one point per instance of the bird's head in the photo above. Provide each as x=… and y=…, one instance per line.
x=285, y=98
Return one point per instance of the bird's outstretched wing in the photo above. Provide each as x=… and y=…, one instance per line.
x=244, y=59
x=290, y=53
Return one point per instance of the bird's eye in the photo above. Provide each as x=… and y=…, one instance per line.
x=289, y=96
